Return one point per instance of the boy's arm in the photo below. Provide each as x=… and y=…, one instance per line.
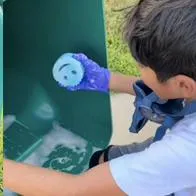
x=34, y=181
x=122, y=83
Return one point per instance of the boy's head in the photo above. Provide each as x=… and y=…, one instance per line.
x=161, y=35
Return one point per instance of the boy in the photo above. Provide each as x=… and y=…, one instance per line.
x=161, y=35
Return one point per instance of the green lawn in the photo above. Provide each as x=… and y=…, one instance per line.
x=120, y=59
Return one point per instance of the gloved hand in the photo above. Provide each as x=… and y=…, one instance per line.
x=95, y=77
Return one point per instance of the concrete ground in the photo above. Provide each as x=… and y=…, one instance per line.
x=122, y=111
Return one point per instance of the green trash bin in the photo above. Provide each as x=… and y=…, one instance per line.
x=43, y=123
x=1, y=58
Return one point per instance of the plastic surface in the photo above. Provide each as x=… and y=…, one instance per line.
x=36, y=34
x=1, y=58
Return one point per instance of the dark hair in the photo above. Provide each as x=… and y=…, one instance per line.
x=161, y=34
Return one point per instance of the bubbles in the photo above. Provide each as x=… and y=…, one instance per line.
x=45, y=111
x=62, y=150
x=8, y=121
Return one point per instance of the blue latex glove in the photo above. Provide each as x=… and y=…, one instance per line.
x=95, y=78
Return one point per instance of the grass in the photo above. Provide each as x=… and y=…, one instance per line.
x=120, y=59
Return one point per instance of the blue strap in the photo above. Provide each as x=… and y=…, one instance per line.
x=171, y=120
x=144, y=98
x=189, y=108
x=169, y=112
x=160, y=132
x=167, y=124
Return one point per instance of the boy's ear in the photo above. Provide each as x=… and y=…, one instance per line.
x=187, y=86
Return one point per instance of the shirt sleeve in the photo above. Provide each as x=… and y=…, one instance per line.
x=165, y=167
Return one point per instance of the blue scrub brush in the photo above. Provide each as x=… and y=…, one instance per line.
x=68, y=71
x=77, y=72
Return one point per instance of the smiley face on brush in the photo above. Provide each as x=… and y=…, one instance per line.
x=67, y=71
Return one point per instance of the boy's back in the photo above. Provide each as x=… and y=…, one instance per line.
x=165, y=167
x=162, y=38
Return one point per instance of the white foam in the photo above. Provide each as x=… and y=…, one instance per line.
x=59, y=136
x=8, y=121
x=45, y=111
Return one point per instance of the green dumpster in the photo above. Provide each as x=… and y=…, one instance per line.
x=44, y=124
x=1, y=57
